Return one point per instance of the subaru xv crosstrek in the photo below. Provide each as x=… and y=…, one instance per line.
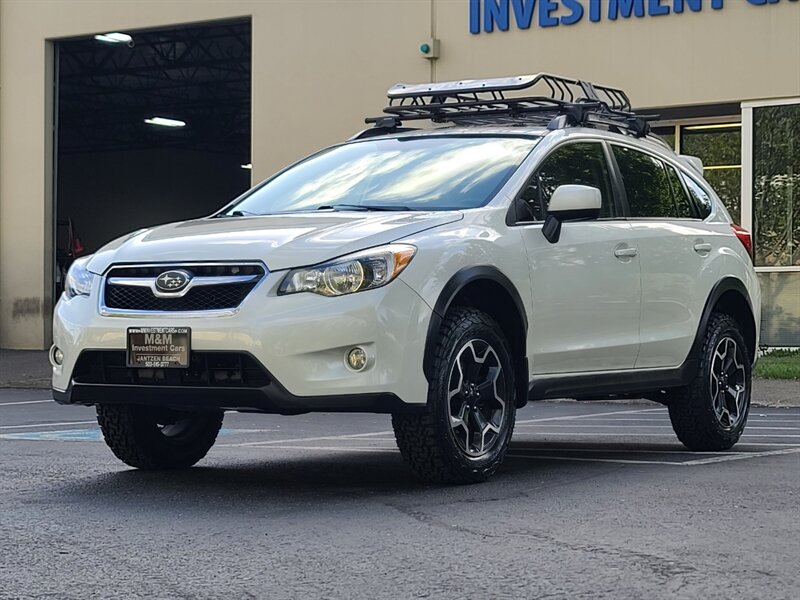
x=533, y=241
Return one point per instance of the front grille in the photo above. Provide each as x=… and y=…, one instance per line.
x=220, y=296
x=210, y=297
x=206, y=369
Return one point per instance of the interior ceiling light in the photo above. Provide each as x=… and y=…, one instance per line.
x=248, y=166
x=114, y=38
x=165, y=122
x=717, y=126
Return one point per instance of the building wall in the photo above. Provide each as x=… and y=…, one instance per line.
x=320, y=66
x=713, y=56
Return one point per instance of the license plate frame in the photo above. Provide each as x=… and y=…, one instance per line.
x=158, y=347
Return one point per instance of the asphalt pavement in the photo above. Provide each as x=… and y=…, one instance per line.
x=595, y=500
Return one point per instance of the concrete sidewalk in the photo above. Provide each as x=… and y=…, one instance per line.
x=31, y=369
x=24, y=369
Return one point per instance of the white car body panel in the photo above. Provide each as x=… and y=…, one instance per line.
x=280, y=241
x=676, y=280
x=301, y=338
x=586, y=300
x=588, y=309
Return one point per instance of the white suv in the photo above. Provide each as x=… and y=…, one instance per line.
x=538, y=245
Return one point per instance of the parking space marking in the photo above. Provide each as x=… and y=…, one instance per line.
x=307, y=439
x=590, y=415
x=740, y=456
x=624, y=461
x=50, y=401
x=634, y=434
x=333, y=448
x=48, y=424
x=730, y=456
x=92, y=435
x=67, y=435
x=748, y=428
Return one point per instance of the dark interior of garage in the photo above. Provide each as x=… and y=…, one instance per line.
x=152, y=127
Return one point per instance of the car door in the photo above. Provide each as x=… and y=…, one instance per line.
x=675, y=249
x=585, y=287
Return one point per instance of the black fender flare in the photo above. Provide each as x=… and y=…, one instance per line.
x=451, y=289
x=723, y=286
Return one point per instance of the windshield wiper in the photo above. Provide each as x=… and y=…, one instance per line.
x=365, y=207
x=241, y=213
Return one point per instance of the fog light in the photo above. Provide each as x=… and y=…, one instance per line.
x=357, y=359
x=58, y=356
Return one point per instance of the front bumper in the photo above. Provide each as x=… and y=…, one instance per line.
x=300, y=340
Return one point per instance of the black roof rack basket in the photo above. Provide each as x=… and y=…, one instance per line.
x=549, y=100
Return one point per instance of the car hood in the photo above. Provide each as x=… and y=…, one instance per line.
x=280, y=241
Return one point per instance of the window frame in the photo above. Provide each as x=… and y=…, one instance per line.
x=511, y=216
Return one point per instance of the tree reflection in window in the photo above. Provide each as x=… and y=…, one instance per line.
x=776, y=185
x=582, y=163
x=646, y=184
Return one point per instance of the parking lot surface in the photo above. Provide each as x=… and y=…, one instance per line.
x=595, y=500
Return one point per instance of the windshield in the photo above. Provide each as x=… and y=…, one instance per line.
x=432, y=173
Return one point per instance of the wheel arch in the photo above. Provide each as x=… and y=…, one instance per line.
x=731, y=297
x=488, y=289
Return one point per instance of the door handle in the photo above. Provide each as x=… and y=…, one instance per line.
x=626, y=252
x=702, y=247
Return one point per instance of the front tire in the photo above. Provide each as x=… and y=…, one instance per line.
x=464, y=434
x=157, y=438
x=711, y=412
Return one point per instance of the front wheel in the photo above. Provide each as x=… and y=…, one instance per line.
x=711, y=412
x=464, y=434
x=158, y=438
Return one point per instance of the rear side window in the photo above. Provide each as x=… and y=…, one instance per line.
x=647, y=184
x=582, y=163
x=701, y=198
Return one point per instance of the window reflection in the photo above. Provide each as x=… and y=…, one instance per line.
x=432, y=173
x=571, y=164
x=776, y=185
x=719, y=146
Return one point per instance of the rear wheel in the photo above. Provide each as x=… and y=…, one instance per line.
x=464, y=434
x=711, y=413
x=158, y=438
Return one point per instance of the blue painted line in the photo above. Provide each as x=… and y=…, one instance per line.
x=72, y=435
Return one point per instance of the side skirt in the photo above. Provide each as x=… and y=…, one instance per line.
x=602, y=385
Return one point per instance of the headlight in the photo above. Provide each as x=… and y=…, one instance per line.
x=79, y=279
x=354, y=273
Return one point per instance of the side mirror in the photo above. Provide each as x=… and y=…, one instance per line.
x=570, y=203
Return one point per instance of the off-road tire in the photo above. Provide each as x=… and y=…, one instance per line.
x=425, y=440
x=691, y=408
x=135, y=437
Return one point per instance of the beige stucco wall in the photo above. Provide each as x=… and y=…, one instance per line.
x=740, y=52
x=320, y=66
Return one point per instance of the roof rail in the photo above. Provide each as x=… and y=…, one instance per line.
x=554, y=101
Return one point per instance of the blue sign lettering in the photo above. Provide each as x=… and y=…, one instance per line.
x=486, y=15
x=625, y=8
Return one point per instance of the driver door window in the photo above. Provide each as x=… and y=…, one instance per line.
x=581, y=163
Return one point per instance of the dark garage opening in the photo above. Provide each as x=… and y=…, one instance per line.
x=152, y=127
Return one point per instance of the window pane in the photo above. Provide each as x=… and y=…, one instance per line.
x=701, y=198
x=776, y=185
x=425, y=173
x=571, y=164
x=719, y=146
x=682, y=201
x=646, y=184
